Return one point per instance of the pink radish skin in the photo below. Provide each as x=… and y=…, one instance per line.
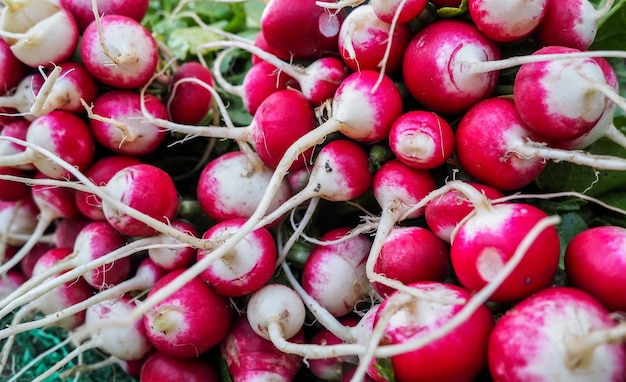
x=39, y=32
x=62, y=133
x=450, y=89
x=245, y=268
x=133, y=186
x=15, y=129
x=172, y=259
x=487, y=240
x=331, y=369
x=66, y=230
x=161, y=367
x=485, y=154
x=260, y=42
x=282, y=17
x=421, y=139
x=572, y=24
x=187, y=102
x=28, y=263
x=177, y=326
x=334, y=275
x=100, y=172
x=538, y=90
x=385, y=10
x=535, y=340
x=250, y=357
x=505, y=22
x=233, y=174
x=460, y=355
x=363, y=39
x=599, y=276
x=18, y=217
x=444, y=213
x=260, y=82
x=83, y=12
x=10, y=281
x=132, y=57
x=12, y=191
x=412, y=254
x=12, y=70
x=123, y=131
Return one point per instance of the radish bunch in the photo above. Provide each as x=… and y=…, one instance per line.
x=361, y=194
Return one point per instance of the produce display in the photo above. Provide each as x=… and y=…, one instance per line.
x=302, y=190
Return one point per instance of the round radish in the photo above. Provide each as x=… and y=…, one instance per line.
x=161, y=367
x=275, y=312
x=82, y=10
x=409, y=9
x=188, y=102
x=12, y=70
x=171, y=259
x=508, y=21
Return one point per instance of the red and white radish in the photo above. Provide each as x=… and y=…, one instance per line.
x=505, y=22
x=161, y=367
x=83, y=12
x=187, y=102
x=171, y=259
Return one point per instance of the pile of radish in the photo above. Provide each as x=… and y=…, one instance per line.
x=348, y=191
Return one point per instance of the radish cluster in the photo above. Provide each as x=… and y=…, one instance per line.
x=305, y=242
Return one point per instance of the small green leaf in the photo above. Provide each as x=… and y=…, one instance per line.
x=449, y=12
x=572, y=223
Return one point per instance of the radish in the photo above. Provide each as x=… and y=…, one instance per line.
x=100, y=172
x=409, y=255
x=318, y=81
x=334, y=275
x=11, y=191
x=331, y=369
x=18, y=217
x=116, y=122
x=12, y=70
x=61, y=132
x=275, y=312
x=544, y=338
x=460, y=355
x=572, y=24
x=599, y=276
x=177, y=326
x=133, y=187
x=66, y=230
x=171, y=259
x=363, y=40
x=485, y=241
x=21, y=99
x=245, y=268
x=507, y=22
x=233, y=174
x=449, y=88
x=281, y=17
x=118, y=51
x=189, y=103
x=10, y=281
x=421, y=139
x=82, y=10
x=161, y=367
x=18, y=129
x=396, y=188
x=340, y=173
x=385, y=10
x=39, y=31
x=250, y=357
x=444, y=213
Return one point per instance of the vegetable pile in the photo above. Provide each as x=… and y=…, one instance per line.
x=306, y=190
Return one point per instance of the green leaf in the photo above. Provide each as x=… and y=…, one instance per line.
x=449, y=12
x=572, y=223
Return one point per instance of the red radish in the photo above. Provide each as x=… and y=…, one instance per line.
x=117, y=123
x=280, y=18
x=594, y=263
x=28, y=263
x=18, y=217
x=250, y=357
x=334, y=275
x=460, y=355
x=100, y=172
x=177, y=326
x=11, y=191
x=39, y=31
x=396, y=187
x=10, y=281
x=540, y=339
x=161, y=367
x=245, y=268
x=260, y=42
x=408, y=10
x=62, y=133
x=171, y=259
x=331, y=369
x=82, y=10
x=12, y=70
x=318, y=81
x=412, y=254
x=571, y=23
x=421, y=139
x=363, y=40
x=275, y=312
x=449, y=88
x=487, y=240
x=340, y=173
x=510, y=21
x=281, y=119
x=187, y=102
x=18, y=129
x=66, y=230
x=119, y=51
x=444, y=213
x=133, y=186
x=233, y=174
